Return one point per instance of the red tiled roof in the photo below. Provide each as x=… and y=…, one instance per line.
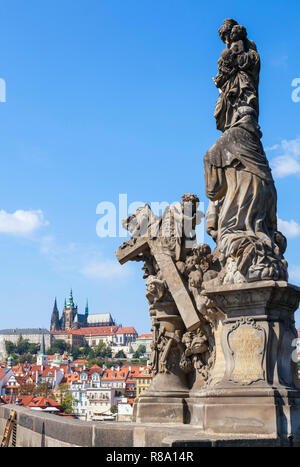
x=134, y=371
x=128, y=330
x=115, y=375
x=44, y=402
x=74, y=377
x=32, y=401
x=145, y=336
x=99, y=331
x=24, y=400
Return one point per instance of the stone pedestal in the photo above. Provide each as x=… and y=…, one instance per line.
x=164, y=400
x=258, y=393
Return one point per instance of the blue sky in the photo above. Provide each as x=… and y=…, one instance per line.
x=109, y=97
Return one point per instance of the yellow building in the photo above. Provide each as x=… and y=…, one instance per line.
x=143, y=381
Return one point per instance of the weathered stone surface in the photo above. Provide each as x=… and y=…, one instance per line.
x=222, y=321
x=241, y=216
x=114, y=435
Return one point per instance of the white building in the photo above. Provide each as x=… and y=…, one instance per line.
x=92, y=402
x=125, y=410
x=34, y=335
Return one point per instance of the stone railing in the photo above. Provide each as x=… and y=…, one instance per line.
x=37, y=429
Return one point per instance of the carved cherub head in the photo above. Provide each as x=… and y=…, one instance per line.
x=225, y=30
x=155, y=289
x=196, y=278
x=190, y=263
x=238, y=33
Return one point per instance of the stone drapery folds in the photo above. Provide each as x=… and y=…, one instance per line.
x=242, y=217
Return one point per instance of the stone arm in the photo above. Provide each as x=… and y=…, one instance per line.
x=227, y=69
x=215, y=181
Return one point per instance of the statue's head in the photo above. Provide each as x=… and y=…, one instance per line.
x=238, y=33
x=225, y=30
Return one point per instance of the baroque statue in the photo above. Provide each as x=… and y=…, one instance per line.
x=241, y=216
x=222, y=321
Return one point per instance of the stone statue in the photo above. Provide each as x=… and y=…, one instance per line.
x=241, y=216
x=223, y=328
x=176, y=269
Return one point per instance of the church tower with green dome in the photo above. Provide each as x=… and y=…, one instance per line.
x=70, y=319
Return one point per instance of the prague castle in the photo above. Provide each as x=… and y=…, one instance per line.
x=76, y=329
x=71, y=319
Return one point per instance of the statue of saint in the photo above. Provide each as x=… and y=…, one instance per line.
x=242, y=216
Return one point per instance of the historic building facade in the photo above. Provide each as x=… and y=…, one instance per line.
x=71, y=319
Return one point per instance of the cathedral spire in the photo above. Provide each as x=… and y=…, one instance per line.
x=55, y=326
x=42, y=350
x=55, y=306
x=86, y=308
x=71, y=301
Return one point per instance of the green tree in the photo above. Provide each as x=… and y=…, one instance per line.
x=33, y=349
x=85, y=350
x=10, y=347
x=76, y=352
x=114, y=409
x=100, y=350
x=22, y=346
x=139, y=351
x=66, y=399
x=58, y=346
x=120, y=354
x=26, y=358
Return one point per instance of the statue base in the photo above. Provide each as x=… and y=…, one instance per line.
x=253, y=388
x=257, y=391
x=163, y=402
x=156, y=409
x=251, y=411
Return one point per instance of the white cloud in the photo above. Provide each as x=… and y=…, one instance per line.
x=294, y=273
x=288, y=162
x=49, y=247
x=290, y=229
x=83, y=259
x=21, y=222
x=272, y=148
x=106, y=269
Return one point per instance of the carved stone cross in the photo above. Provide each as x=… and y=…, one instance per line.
x=130, y=250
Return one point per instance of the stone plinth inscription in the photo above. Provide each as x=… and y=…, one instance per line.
x=247, y=346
